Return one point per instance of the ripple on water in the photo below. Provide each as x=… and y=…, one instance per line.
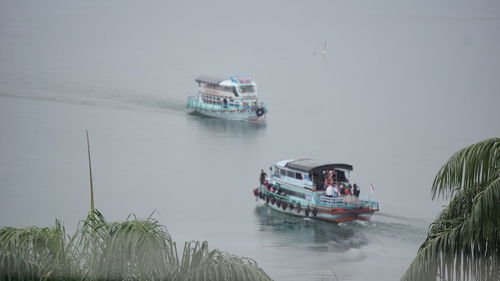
x=330, y=237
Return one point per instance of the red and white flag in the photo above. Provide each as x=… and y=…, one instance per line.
x=372, y=188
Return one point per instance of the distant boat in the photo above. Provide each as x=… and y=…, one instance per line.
x=298, y=187
x=234, y=98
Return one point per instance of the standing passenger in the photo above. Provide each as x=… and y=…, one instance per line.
x=337, y=190
x=342, y=189
x=347, y=191
x=357, y=190
x=329, y=191
x=329, y=179
x=262, y=177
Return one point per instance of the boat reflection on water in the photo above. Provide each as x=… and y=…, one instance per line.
x=222, y=127
x=313, y=234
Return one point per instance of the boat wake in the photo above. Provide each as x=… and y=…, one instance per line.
x=308, y=233
x=342, y=236
x=108, y=100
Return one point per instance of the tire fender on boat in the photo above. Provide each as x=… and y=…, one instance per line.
x=273, y=200
x=315, y=212
x=259, y=112
x=298, y=208
x=278, y=203
x=307, y=211
x=284, y=206
x=267, y=199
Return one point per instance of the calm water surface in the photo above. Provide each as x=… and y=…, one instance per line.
x=401, y=88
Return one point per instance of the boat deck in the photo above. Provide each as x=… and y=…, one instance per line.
x=342, y=202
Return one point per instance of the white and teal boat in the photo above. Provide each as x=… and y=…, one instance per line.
x=298, y=187
x=234, y=98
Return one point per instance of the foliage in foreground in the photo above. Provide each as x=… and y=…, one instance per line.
x=135, y=249
x=463, y=243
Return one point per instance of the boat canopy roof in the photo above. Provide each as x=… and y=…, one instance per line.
x=209, y=79
x=233, y=81
x=308, y=165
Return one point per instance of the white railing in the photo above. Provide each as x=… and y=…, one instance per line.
x=194, y=102
x=347, y=201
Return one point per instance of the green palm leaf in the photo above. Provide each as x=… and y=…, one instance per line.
x=463, y=243
x=200, y=264
x=134, y=249
x=34, y=252
x=468, y=168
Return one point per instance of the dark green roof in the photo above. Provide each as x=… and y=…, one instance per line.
x=307, y=165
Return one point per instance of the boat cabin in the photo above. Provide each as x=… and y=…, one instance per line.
x=310, y=174
x=237, y=89
x=236, y=86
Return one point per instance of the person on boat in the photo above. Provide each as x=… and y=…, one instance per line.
x=349, y=186
x=347, y=191
x=262, y=177
x=329, y=178
x=357, y=190
x=342, y=189
x=329, y=191
x=337, y=190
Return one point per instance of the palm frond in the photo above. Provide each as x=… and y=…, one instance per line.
x=468, y=168
x=463, y=243
x=134, y=249
x=198, y=263
x=120, y=250
x=36, y=252
x=485, y=218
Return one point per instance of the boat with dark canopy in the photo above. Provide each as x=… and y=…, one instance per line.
x=319, y=190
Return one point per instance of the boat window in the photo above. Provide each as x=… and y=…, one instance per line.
x=247, y=89
x=340, y=176
x=296, y=194
x=298, y=176
x=235, y=92
x=290, y=174
x=283, y=172
x=219, y=87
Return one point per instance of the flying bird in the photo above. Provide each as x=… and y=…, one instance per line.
x=323, y=50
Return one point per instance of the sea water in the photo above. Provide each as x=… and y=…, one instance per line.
x=398, y=88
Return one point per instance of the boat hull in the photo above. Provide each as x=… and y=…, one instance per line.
x=249, y=115
x=254, y=114
x=353, y=211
